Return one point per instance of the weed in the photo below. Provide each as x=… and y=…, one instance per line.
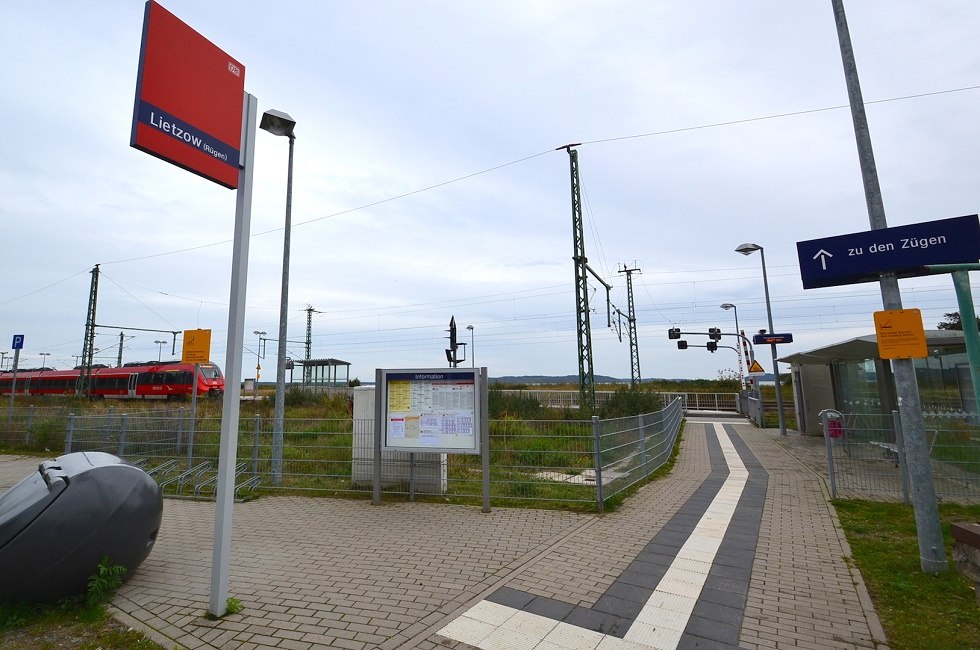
x=104, y=582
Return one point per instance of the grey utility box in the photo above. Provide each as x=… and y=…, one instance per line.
x=57, y=523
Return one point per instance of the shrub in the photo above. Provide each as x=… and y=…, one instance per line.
x=631, y=401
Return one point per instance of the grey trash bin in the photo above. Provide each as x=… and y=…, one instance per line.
x=57, y=523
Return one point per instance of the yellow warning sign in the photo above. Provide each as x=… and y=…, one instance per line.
x=197, y=346
x=900, y=334
x=756, y=368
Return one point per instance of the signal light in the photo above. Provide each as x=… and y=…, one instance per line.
x=714, y=333
x=682, y=345
x=674, y=333
x=712, y=346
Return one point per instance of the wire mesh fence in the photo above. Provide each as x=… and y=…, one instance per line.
x=577, y=464
x=866, y=457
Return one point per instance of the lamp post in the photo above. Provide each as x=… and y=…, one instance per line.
x=738, y=343
x=258, y=364
x=279, y=123
x=44, y=359
x=748, y=249
x=472, y=349
x=160, y=345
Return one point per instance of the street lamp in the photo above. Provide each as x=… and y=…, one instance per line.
x=472, y=349
x=279, y=123
x=738, y=343
x=160, y=345
x=258, y=364
x=44, y=360
x=748, y=249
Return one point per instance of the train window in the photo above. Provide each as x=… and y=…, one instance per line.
x=210, y=372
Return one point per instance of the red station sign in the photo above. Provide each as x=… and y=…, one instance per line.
x=189, y=96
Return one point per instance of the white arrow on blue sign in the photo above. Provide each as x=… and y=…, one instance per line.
x=902, y=250
x=18, y=343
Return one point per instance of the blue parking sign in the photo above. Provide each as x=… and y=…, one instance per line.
x=18, y=343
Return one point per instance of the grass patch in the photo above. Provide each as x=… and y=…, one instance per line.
x=917, y=610
x=81, y=622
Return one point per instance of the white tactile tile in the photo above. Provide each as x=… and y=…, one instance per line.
x=490, y=612
x=571, y=637
x=531, y=624
x=468, y=630
x=506, y=639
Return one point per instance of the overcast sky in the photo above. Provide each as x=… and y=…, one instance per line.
x=427, y=184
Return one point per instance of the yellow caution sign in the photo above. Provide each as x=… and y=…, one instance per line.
x=900, y=334
x=756, y=368
x=197, y=346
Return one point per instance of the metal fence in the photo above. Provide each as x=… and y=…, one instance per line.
x=866, y=457
x=579, y=464
x=568, y=399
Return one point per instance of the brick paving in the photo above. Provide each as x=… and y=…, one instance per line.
x=327, y=573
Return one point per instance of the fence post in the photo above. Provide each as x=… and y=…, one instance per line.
x=597, y=450
x=190, y=445
x=30, y=425
x=180, y=430
x=69, y=434
x=643, y=445
x=255, y=446
x=122, y=435
x=900, y=445
x=825, y=425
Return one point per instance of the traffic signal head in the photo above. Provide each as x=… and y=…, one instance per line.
x=714, y=333
x=682, y=345
x=712, y=346
x=674, y=333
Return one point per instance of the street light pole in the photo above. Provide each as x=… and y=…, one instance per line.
x=160, y=345
x=279, y=123
x=472, y=349
x=748, y=249
x=258, y=364
x=738, y=342
x=44, y=359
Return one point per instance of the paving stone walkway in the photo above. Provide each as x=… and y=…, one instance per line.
x=739, y=510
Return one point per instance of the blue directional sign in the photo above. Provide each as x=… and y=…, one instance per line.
x=18, y=343
x=902, y=250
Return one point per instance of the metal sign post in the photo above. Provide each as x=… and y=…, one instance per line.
x=228, y=450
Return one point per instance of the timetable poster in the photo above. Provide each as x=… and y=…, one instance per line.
x=431, y=410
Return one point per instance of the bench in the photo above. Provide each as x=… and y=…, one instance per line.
x=966, y=552
x=890, y=449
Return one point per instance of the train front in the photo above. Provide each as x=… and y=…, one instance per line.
x=210, y=381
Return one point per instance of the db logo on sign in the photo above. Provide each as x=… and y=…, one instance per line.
x=234, y=69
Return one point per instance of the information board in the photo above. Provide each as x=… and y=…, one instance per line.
x=431, y=410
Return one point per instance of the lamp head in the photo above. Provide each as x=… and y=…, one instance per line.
x=728, y=306
x=277, y=123
x=748, y=249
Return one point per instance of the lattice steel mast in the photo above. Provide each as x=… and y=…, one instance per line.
x=84, y=385
x=307, y=370
x=631, y=318
x=586, y=374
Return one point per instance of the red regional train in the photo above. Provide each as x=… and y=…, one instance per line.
x=146, y=380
